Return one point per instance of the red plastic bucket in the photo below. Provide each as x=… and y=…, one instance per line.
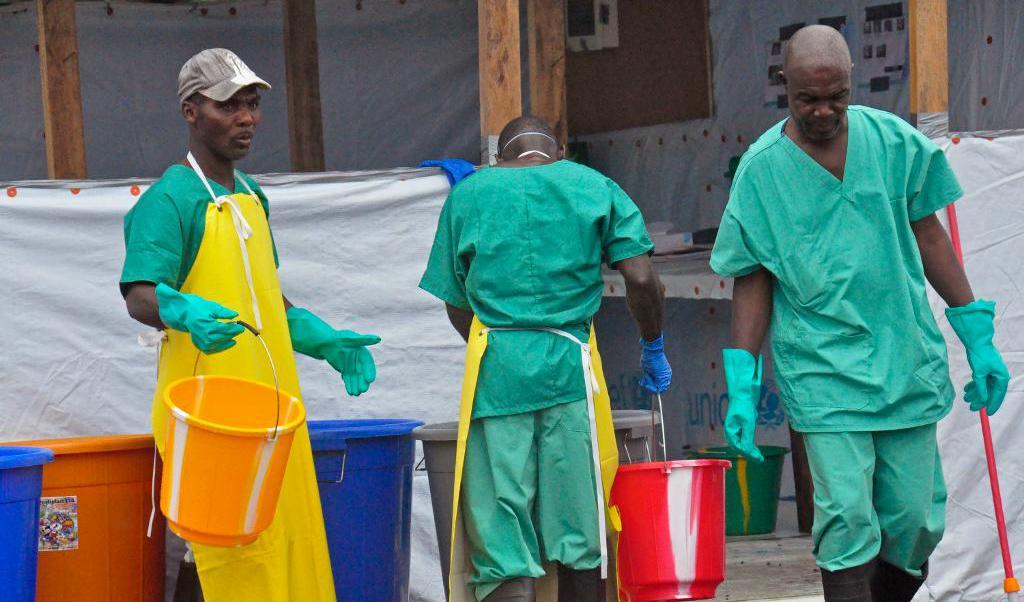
x=672, y=545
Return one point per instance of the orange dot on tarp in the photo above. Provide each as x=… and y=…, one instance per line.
x=12, y=191
x=721, y=284
x=708, y=188
x=135, y=190
x=956, y=139
x=76, y=190
x=713, y=364
x=984, y=101
x=696, y=290
x=706, y=133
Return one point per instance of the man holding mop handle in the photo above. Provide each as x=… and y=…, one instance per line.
x=831, y=234
x=199, y=256
x=517, y=261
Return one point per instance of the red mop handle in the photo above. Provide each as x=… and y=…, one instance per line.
x=1010, y=584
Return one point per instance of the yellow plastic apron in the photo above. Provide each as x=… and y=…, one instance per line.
x=607, y=457
x=235, y=267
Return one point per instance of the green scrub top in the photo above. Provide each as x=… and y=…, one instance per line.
x=855, y=344
x=164, y=229
x=522, y=247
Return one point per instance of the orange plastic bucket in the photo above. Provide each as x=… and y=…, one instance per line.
x=225, y=454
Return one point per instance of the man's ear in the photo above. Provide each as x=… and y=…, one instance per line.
x=189, y=111
x=561, y=152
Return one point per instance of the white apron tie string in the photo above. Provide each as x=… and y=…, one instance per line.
x=242, y=229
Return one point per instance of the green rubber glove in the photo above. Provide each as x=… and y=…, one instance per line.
x=974, y=323
x=344, y=350
x=743, y=378
x=199, y=317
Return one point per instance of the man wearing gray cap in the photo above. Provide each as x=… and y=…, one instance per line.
x=200, y=260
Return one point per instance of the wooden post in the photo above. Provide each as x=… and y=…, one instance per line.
x=546, y=24
x=929, y=57
x=501, y=92
x=302, y=69
x=62, y=93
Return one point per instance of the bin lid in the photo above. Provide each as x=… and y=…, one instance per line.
x=729, y=453
x=646, y=466
x=90, y=445
x=21, y=457
x=629, y=419
x=328, y=434
x=442, y=431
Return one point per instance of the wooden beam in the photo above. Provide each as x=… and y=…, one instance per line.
x=302, y=72
x=62, y=92
x=546, y=32
x=929, y=57
x=500, y=73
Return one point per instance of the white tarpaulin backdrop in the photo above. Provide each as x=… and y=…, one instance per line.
x=352, y=249
x=966, y=566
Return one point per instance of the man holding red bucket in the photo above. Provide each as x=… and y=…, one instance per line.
x=831, y=235
x=199, y=257
x=517, y=261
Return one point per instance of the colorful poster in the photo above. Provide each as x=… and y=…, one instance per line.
x=58, y=523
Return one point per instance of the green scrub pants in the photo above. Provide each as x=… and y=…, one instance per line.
x=876, y=494
x=529, y=495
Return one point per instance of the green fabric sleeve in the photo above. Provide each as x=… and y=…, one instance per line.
x=624, y=234
x=445, y=276
x=732, y=256
x=154, y=242
x=931, y=183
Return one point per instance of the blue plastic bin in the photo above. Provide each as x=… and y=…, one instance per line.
x=21, y=484
x=364, y=471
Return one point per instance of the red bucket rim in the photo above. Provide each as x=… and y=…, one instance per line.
x=645, y=466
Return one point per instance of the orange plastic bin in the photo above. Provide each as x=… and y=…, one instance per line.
x=95, y=522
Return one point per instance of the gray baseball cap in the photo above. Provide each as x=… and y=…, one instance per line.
x=216, y=73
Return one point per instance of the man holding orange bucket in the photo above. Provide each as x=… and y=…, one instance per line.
x=517, y=260
x=200, y=257
x=832, y=236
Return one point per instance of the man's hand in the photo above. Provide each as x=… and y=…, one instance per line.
x=974, y=323
x=346, y=351
x=201, y=318
x=743, y=378
x=657, y=371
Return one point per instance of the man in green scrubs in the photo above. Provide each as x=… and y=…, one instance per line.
x=520, y=246
x=831, y=235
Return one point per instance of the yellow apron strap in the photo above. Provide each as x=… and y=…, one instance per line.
x=475, y=348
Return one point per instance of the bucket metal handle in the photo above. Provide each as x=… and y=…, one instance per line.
x=654, y=431
x=273, y=369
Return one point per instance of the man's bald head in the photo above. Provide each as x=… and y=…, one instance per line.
x=816, y=71
x=817, y=46
x=524, y=134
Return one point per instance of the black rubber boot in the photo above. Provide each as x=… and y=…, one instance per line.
x=520, y=589
x=848, y=585
x=580, y=586
x=187, y=589
x=890, y=584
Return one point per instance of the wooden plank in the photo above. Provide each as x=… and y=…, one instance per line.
x=929, y=57
x=500, y=73
x=302, y=70
x=546, y=41
x=62, y=92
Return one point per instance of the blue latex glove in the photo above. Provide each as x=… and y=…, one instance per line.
x=344, y=350
x=199, y=317
x=657, y=372
x=456, y=169
x=743, y=378
x=974, y=323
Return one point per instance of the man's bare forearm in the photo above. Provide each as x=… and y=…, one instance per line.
x=941, y=266
x=645, y=295
x=141, y=303
x=751, y=310
x=461, y=320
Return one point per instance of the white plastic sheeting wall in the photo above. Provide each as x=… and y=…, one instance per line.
x=967, y=564
x=352, y=249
